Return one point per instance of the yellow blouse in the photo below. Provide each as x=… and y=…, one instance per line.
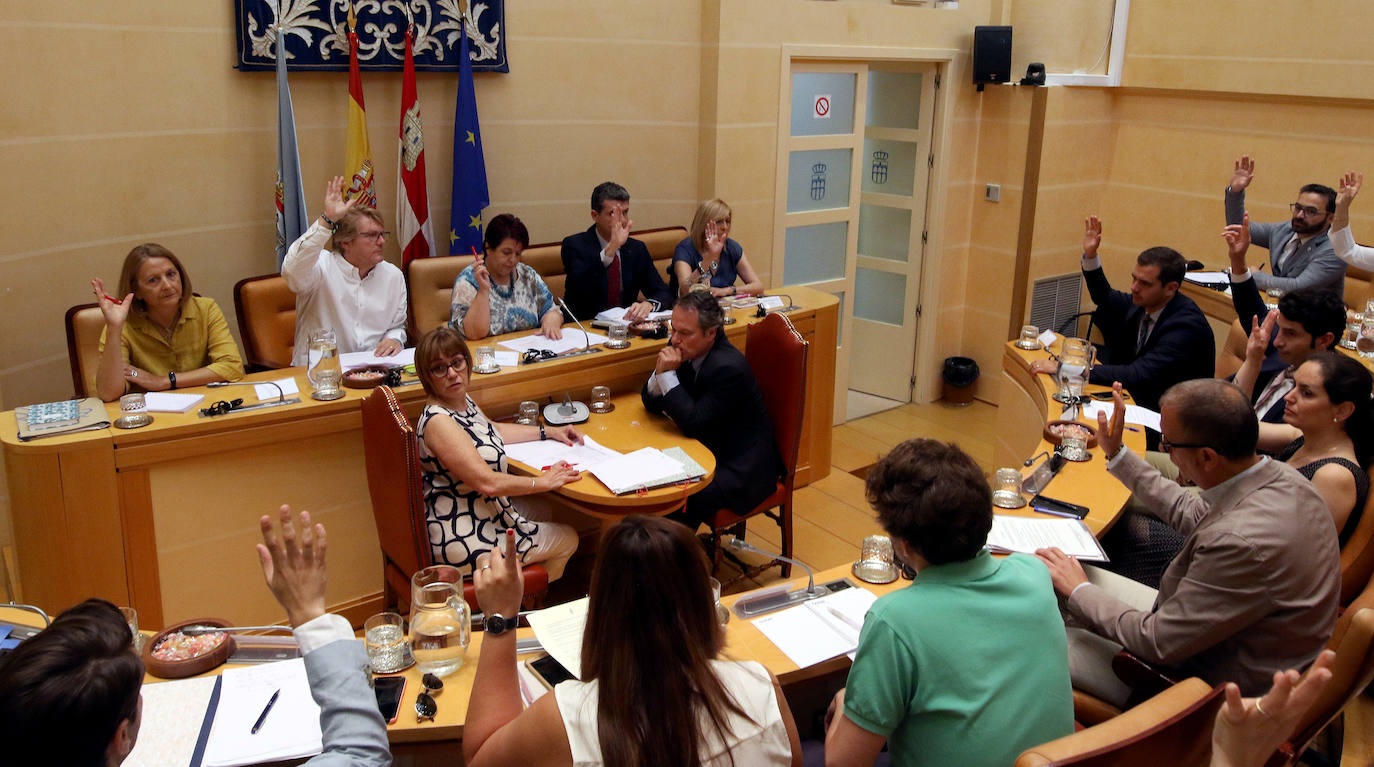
x=201, y=339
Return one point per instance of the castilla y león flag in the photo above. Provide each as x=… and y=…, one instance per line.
x=412, y=197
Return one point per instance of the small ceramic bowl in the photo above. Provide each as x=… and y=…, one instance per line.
x=366, y=378
x=177, y=669
x=1054, y=438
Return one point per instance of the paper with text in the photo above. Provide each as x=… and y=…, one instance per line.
x=1136, y=414
x=1025, y=535
x=171, y=402
x=172, y=715
x=572, y=339
x=820, y=629
x=291, y=730
x=353, y=360
x=540, y=453
x=559, y=629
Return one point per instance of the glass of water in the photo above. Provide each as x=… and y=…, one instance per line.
x=388, y=649
x=322, y=370
x=529, y=413
x=1006, y=489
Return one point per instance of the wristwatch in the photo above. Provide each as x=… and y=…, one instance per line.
x=497, y=624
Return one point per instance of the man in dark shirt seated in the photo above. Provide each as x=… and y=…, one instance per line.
x=1310, y=320
x=1155, y=336
x=706, y=386
x=606, y=267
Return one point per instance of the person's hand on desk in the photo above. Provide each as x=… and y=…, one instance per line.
x=1044, y=367
x=638, y=311
x=389, y=347
x=556, y=476
x=293, y=565
x=669, y=358
x=499, y=582
x=1109, y=431
x=565, y=434
x=145, y=380
x=1065, y=571
x=551, y=324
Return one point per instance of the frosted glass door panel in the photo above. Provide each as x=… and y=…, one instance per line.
x=879, y=296
x=884, y=232
x=891, y=166
x=822, y=103
x=819, y=180
x=894, y=100
x=815, y=253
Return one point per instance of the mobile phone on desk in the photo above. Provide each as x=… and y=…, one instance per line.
x=389, y=691
x=1055, y=507
x=548, y=671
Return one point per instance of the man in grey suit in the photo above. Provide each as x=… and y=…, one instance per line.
x=1300, y=252
x=71, y=692
x=1256, y=586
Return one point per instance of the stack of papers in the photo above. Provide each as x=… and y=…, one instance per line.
x=1025, y=535
x=1208, y=278
x=353, y=360
x=171, y=402
x=1134, y=413
x=572, y=340
x=290, y=731
x=617, y=314
x=542, y=453
x=820, y=629
x=559, y=629
x=645, y=468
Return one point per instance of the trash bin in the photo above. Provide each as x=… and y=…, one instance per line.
x=959, y=375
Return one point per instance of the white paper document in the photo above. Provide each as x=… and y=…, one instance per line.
x=572, y=339
x=171, y=402
x=266, y=391
x=547, y=452
x=1134, y=413
x=820, y=629
x=1047, y=338
x=645, y=468
x=291, y=729
x=769, y=303
x=172, y=715
x=353, y=360
x=1025, y=535
x=559, y=629
x=507, y=359
x=617, y=314
x=1208, y=278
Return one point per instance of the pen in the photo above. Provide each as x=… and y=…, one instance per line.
x=1132, y=428
x=844, y=618
x=112, y=298
x=272, y=701
x=1055, y=512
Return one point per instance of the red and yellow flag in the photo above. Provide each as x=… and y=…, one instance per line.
x=357, y=152
x=412, y=196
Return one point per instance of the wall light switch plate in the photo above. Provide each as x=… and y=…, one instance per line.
x=993, y=193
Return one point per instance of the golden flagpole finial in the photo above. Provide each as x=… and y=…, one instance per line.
x=352, y=17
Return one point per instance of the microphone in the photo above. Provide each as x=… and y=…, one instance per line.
x=281, y=395
x=1038, y=479
x=773, y=599
x=586, y=339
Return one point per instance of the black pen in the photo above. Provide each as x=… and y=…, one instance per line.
x=272, y=701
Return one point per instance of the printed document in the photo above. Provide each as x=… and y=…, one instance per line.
x=291, y=729
x=820, y=629
x=559, y=629
x=1025, y=534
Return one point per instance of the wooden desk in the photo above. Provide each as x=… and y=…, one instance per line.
x=1026, y=405
x=162, y=518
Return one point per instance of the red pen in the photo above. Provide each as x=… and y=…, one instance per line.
x=112, y=298
x=475, y=254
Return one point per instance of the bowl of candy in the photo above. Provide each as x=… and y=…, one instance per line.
x=176, y=652
x=1056, y=431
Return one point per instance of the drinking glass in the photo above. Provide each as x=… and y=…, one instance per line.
x=439, y=620
x=1365, y=342
x=131, y=618
x=1006, y=489
x=1075, y=364
x=486, y=360
x=529, y=413
x=877, y=562
x=722, y=613
x=388, y=649
x=618, y=335
x=1074, y=448
x=601, y=400
x=322, y=367
x=1030, y=336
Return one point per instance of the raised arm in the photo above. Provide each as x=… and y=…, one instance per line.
x=112, y=375
x=1241, y=176
x=1256, y=347
x=1342, y=238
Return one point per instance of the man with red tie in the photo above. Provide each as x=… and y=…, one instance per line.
x=606, y=267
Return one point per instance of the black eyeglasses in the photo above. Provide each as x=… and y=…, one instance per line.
x=1165, y=445
x=534, y=355
x=222, y=407
x=1304, y=210
x=440, y=369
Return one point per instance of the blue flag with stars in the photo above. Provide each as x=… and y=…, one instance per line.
x=470, y=196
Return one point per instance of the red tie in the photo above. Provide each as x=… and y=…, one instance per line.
x=613, y=282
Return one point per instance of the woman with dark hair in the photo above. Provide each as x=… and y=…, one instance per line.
x=467, y=488
x=707, y=256
x=653, y=689
x=498, y=294
x=168, y=337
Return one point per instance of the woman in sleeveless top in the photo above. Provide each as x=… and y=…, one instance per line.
x=467, y=489
x=653, y=688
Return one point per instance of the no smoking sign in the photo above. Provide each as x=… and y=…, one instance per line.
x=821, y=107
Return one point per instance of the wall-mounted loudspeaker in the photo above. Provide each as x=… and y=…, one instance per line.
x=991, y=55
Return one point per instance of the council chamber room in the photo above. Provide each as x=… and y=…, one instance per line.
x=1024, y=418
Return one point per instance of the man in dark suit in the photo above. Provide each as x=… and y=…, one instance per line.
x=706, y=386
x=1155, y=336
x=606, y=267
x=1300, y=251
x=1310, y=320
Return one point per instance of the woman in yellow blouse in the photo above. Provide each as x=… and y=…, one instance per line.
x=168, y=338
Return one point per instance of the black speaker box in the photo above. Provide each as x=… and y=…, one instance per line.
x=991, y=55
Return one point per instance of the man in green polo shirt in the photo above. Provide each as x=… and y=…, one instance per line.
x=967, y=665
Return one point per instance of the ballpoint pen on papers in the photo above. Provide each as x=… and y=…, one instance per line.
x=272, y=701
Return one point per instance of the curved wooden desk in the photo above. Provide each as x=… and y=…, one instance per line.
x=164, y=518
x=1025, y=406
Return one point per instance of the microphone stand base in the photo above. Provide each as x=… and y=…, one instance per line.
x=772, y=600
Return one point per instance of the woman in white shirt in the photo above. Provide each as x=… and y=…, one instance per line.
x=653, y=688
x=1342, y=239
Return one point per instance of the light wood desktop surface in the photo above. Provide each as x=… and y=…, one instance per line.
x=163, y=517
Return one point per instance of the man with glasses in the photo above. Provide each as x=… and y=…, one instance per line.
x=1300, y=252
x=1256, y=586
x=351, y=290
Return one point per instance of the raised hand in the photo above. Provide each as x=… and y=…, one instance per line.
x=499, y=582
x=115, y=312
x=1257, y=345
x=715, y=241
x=335, y=206
x=483, y=277
x=1349, y=188
x=1248, y=730
x=1092, y=236
x=1237, y=238
x=294, y=565
x=1243, y=174
x=1109, y=431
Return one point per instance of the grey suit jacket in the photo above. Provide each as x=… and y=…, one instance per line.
x=1254, y=589
x=354, y=733
x=1315, y=262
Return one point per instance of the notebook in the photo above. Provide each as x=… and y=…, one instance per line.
x=51, y=418
x=647, y=468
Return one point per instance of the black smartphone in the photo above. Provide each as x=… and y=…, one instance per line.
x=548, y=670
x=1047, y=505
x=389, y=691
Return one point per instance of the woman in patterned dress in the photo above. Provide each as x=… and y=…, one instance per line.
x=498, y=294
x=468, y=491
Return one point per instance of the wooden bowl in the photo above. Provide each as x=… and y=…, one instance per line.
x=369, y=377
x=1055, y=439
x=177, y=669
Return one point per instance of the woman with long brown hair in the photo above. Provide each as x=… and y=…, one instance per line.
x=653, y=689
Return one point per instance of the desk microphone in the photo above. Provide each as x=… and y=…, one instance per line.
x=772, y=599
x=1038, y=479
x=762, y=312
x=281, y=394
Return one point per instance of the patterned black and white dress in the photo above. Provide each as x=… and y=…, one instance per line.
x=463, y=523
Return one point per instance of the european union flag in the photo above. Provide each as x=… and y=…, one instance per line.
x=470, y=196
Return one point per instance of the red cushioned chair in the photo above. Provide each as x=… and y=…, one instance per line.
x=393, y=481
x=777, y=355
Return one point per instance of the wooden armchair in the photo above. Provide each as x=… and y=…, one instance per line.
x=266, y=309
x=84, y=323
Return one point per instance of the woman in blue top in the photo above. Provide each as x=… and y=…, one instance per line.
x=498, y=294
x=708, y=256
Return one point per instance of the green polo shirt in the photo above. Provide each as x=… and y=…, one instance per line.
x=968, y=665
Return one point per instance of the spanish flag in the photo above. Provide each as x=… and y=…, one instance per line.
x=357, y=152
